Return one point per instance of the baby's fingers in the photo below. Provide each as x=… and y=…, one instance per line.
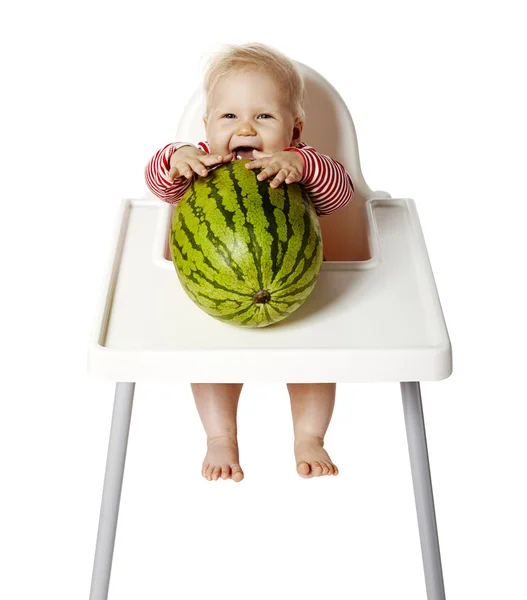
x=267, y=171
x=215, y=159
x=258, y=163
x=181, y=169
x=280, y=178
x=173, y=174
x=197, y=167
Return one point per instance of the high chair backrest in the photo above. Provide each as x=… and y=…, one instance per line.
x=329, y=129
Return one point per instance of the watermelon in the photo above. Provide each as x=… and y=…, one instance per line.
x=246, y=253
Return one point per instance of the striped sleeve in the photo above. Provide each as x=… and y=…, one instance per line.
x=326, y=180
x=157, y=169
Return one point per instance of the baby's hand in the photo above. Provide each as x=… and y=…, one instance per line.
x=288, y=166
x=189, y=160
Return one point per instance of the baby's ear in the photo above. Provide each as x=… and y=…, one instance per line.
x=297, y=131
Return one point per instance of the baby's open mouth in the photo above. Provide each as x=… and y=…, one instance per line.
x=243, y=152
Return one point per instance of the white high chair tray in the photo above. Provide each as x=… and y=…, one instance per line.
x=375, y=320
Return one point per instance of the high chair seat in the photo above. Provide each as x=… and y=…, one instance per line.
x=374, y=316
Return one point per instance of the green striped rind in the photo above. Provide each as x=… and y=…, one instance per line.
x=233, y=236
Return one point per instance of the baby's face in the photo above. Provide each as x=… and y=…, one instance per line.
x=248, y=111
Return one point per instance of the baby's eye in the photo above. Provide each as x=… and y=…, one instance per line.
x=266, y=115
x=228, y=116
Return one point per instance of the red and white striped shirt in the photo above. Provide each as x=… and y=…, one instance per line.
x=324, y=178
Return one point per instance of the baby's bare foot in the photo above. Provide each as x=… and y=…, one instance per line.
x=222, y=459
x=311, y=458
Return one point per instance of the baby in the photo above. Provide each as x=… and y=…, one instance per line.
x=254, y=99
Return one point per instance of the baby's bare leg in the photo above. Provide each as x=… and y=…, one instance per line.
x=312, y=407
x=217, y=405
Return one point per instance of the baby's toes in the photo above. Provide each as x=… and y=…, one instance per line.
x=225, y=472
x=316, y=468
x=332, y=469
x=237, y=473
x=216, y=472
x=326, y=467
x=303, y=468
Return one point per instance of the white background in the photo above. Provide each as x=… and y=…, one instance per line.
x=90, y=91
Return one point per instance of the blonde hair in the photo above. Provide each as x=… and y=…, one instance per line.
x=257, y=57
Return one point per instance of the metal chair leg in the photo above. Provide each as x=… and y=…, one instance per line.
x=424, y=498
x=111, y=496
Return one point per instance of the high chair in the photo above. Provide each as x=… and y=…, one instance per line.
x=374, y=316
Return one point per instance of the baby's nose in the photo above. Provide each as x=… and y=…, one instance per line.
x=245, y=128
